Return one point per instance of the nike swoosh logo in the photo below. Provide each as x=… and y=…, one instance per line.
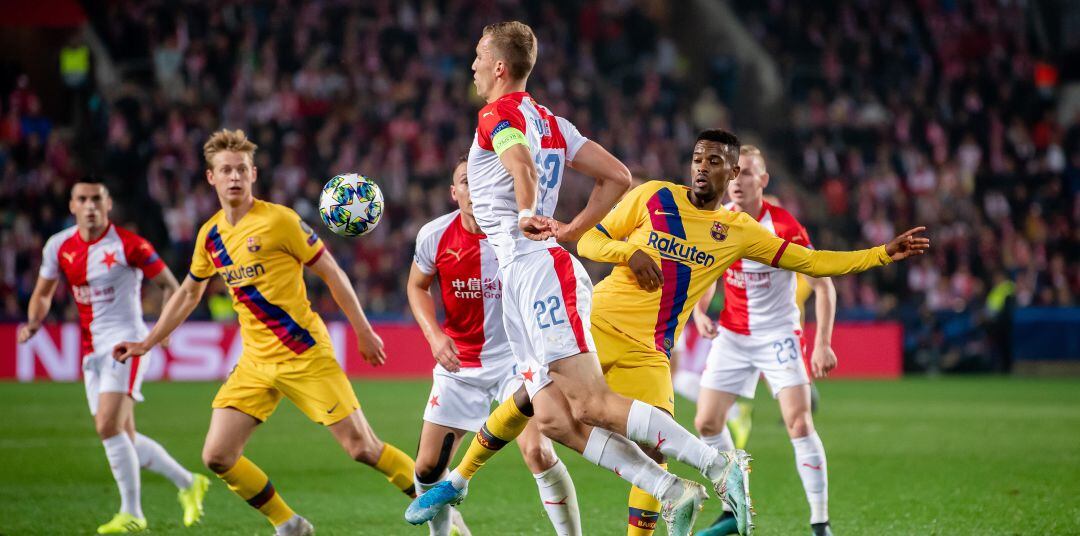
x=331, y=410
x=216, y=252
x=659, y=212
x=646, y=515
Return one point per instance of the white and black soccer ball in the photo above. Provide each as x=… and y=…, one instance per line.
x=351, y=205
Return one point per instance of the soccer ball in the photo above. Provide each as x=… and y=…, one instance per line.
x=351, y=205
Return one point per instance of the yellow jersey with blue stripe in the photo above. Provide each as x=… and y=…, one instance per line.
x=262, y=259
x=693, y=247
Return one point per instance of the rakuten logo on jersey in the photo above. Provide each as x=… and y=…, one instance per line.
x=674, y=249
x=474, y=288
x=234, y=275
x=86, y=295
x=741, y=279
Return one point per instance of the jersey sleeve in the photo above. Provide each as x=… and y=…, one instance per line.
x=762, y=246
x=299, y=239
x=502, y=126
x=573, y=137
x=50, y=259
x=606, y=242
x=141, y=254
x=427, y=246
x=202, y=266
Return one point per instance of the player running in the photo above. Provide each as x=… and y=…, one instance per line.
x=475, y=366
x=515, y=168
x=260, y=250
x=760, y=332
x=105, y=265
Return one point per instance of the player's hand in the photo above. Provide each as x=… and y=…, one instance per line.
x=908, y=244
x=371, y=348
x=125, y=350
x=648, y=274
x=27, y=331
x=705, y=326
x=822, y=361
x=538, y=227
x=445, y=352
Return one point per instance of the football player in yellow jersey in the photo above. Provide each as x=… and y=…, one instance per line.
x=260, y=249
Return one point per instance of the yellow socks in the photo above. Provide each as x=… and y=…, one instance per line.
x=644, y=511
x=503, y=425
x=251, y=484
x=398, y=468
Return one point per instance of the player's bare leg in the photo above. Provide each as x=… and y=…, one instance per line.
x=191, y=487
x=355, y=435
x=438, y=444
x=115, y=426
x=711, y=422
x=223, y=450
x=795, y=406
x=557, y=492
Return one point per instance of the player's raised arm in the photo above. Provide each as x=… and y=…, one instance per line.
x=422, y=304
x=177, y=309
x=370, y=344
x=612, y=180
x=605, y=242
x=40, y=302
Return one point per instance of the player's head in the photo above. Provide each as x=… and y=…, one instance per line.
x=748, y=188
x=230, y=165
x=90, y=203
x=715, y=162
x=505, y=56
x=459, y=189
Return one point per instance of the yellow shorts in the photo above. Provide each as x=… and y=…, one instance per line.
x=317, y=386
x=632, y=369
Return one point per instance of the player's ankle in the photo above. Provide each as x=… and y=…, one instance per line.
x=457, y=480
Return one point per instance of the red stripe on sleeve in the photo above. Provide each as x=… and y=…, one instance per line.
x=779, y=253
x=316, y=257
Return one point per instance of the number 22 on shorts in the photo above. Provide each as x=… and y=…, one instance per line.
x=546, y=310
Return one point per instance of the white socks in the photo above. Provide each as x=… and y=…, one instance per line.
x=154, y=457
x=811, y=464
x=124, y=463
x=650, y=426
x=617, y=453
x=560, y=499
x=439, y=525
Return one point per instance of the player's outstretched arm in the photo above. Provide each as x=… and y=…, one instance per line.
x=823, y=359
x=767, y=249
x=612, y=180
x=177, y=309
x=370, y=344
x=422, y=304
x=40, y=302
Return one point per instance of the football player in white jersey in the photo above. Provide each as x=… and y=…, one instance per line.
x=475, y=365
x=105, y=265
x=515, y=169
x=760, y=332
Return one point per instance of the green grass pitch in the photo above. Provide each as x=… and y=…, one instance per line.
x=920, y=456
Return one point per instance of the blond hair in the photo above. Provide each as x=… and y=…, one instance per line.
x=227, y=140
x=514, y=42
x=752, y=150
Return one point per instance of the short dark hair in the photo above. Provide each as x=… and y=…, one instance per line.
x=92, y=179
x=720, y=136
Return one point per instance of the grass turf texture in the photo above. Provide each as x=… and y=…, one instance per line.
x=947, y=456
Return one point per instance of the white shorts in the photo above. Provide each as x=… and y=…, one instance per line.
x=465, y=403
x=735, y=361
x=103, y=374
x=547, y=300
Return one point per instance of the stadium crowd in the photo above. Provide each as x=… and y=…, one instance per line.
x=898, y=116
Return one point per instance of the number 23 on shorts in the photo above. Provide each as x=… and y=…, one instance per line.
x=786, y=350
x=546, y=310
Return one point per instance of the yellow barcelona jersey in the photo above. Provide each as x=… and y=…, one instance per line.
x=693, y=248
x=262, y=259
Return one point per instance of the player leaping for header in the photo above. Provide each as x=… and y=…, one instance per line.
x=260, y=249
x=515, y=167
x=475, y=365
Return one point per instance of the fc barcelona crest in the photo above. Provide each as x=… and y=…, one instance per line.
x=718, y=231
x=254, y=243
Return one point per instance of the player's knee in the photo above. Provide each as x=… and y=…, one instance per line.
x=707, y=425
x=219, y=462
x=107, y=428
x=366, y=452
x=800, y=425
x=538, y=456
x=590, y=410
x=558, y=429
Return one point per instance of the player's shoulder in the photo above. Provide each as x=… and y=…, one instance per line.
x=433, y=229
x=275, y=211
x=127, y=235
x=62, y=236
x=785, y=223
x=653, y=186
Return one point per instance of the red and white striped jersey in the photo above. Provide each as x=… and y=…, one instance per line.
x=553, y=141
x=757, y=296
x=106, y=281
x=468, y=275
